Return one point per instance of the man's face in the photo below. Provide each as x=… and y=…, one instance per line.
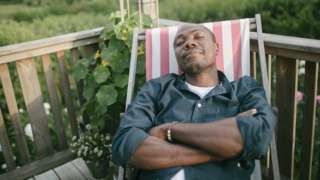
x=195, y=49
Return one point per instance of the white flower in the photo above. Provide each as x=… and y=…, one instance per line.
x=107, y=137
x=4, y=166
x=65, y=110
x=28, y=131
x=100, y=153
x=81, y=137
x=47, y=107
x=79, y=153
x=96, y=150
x=74, y=138
x=88, y=126
x=21, y=110
x=302, y=71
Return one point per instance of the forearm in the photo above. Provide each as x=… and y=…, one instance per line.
x=221, y=138
x=155, y=153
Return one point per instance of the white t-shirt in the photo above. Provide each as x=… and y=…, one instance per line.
x=200, y=91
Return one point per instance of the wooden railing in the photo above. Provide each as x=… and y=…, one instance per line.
x=284, y=54
x=29, y=62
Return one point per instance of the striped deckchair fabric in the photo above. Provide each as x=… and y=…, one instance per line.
x=233, y=56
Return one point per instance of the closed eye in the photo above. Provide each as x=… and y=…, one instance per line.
x=179, y=42
x=199, y=36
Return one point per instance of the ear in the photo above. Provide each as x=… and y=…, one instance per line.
x=217, y=48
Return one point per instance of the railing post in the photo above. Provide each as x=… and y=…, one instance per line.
x=286, y=88
x=309, y=120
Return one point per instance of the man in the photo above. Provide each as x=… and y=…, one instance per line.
x=197, y=125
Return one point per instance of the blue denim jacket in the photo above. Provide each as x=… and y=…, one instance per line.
x=168, y=98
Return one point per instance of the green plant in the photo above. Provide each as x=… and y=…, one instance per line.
x=92, y=145
x=105, y=75
x=14, y=32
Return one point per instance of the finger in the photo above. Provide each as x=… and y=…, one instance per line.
x=249, y=112
x=252, y=112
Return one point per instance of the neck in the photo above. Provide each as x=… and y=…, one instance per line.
x=203, y=79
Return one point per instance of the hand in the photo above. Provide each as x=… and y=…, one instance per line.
x=160, y=131
x=249, y=112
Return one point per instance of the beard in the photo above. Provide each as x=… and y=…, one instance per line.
x=193, y=66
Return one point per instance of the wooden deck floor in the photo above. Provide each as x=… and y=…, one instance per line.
x=74, y=170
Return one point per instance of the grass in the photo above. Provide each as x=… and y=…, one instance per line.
x=20, y=22
x=14, y=32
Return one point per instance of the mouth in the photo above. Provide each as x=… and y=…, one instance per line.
x=191, y=53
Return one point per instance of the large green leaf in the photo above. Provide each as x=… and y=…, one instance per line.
x=120, y=63
x=106, y=95
x=85, y=61
x=115, y=45
x=97, y=118
x=81, y=68
x=89, y=88
x=101, y=74
x=121, y=80
x=106, y=54
x=79, y=71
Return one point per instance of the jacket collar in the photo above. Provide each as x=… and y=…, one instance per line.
x=224, y=87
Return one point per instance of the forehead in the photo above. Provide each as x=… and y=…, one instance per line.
x=188, y=29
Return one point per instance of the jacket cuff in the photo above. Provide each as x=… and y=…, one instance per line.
x=133, y=138
x=247, y=126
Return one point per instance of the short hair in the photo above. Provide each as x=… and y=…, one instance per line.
x=213, y=37
x=210, y=32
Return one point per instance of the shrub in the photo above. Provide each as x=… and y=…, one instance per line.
x=14, y=32
x=105, y=75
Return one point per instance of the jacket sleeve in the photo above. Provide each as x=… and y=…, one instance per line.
x=135, y=124
x=257, y=130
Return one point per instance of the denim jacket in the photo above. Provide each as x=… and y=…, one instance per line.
x=168, y=99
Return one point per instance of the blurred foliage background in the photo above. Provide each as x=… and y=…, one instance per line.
x=23, y=20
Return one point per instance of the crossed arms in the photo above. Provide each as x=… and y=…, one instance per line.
x=199, y=143
x=245, y=136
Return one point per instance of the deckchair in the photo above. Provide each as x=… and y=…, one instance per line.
x=233, y=58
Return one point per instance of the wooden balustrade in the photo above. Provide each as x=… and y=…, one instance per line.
x=288, y=52
x=284, y=54
x=24, y=60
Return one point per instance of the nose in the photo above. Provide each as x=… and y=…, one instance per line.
x=190, y=44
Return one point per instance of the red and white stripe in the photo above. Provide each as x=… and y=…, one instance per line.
x=233, y=56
